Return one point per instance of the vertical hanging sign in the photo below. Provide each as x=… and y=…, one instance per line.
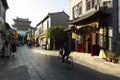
x=74, y=35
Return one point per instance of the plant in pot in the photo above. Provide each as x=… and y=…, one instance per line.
x=110, y=55
x=115, y=60
x=118, y=58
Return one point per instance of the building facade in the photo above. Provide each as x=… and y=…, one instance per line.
x=91, y=23
x=52, y=19
x=116, y=24
x=3, y=24
x=3, y=8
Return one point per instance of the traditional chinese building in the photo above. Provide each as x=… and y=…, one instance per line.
x=3, y=25
x=52, y=19
x=22, y=26
x=91, y=24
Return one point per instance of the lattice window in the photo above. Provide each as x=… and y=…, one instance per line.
x=77, y=10
x=90, y=4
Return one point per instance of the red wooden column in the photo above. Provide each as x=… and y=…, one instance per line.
x=94, y=47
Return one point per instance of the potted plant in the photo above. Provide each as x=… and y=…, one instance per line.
x=110, y=55
x=115, y=60
x=118, y=58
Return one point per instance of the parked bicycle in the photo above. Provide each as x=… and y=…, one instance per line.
x=68, y=60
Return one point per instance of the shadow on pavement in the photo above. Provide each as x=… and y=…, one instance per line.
x=79, y=72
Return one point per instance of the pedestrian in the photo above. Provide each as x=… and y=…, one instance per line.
x=66, y=48
x=13, y=47
x=7, y=49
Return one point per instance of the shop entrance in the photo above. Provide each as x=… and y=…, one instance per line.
x=87, y=39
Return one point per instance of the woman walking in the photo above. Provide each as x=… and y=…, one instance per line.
x=7, y=49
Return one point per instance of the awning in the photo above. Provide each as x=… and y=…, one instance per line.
x=83, y=28
x=42, y=35
x=91, y=15
x=70, y=29
x=86, y=29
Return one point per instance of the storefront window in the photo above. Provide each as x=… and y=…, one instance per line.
x=90, y=4
x=102, y=41
x=102, y=38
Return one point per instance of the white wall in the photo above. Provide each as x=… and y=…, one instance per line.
x=45, y=24
x=39, y=26
x=75, y=2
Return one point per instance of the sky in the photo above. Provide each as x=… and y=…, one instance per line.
x=34, y=10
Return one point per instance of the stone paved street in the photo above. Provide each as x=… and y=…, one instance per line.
x=37, y=64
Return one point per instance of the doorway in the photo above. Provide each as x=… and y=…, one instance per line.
x=87, y=43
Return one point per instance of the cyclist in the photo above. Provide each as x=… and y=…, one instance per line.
x=66, y=48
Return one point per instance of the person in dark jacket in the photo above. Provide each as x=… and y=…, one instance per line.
x=66, y=48
x=13, y=47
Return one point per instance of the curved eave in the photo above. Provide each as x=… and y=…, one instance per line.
x=7, y=25
x=5, y=4
x=90, y=15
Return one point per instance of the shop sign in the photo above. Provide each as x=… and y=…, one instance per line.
x=74, y=35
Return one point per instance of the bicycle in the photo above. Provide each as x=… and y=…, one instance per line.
x=68, y=60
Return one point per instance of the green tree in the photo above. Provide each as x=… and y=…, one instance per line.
x=57, y=35
x=9, y=36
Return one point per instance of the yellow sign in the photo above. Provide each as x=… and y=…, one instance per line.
x=102, y=54
x=74, y=35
